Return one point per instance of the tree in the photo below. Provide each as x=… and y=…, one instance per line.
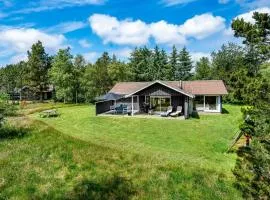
x=203, y=69
x=257, y=39
x=62, y=75
x=253, y=162
x=172, y=66
x=79, y=67
x=141, y=64
x=118, y=71
x=96, y=79
x=38, y=66
x=183, y=70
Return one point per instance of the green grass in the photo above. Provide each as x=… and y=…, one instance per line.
x=79, y=155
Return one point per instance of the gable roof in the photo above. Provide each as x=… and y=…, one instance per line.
x=177, y=89
x=189, y=88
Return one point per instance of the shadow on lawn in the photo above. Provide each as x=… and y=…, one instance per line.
x=225, y=111
x=113, y=188
x=11, y=132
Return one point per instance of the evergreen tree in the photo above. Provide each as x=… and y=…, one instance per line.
x=172, y=66
x=96, y=79
x=256, y=38
x=141, y=64
x=62, y=75
x=156, y=70
x=183, y=70
x=38, y=66
x=165, y=69
x=118, y=71
x=79, y=67
x=203, y=69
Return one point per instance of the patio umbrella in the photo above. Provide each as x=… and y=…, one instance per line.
x=109, y=97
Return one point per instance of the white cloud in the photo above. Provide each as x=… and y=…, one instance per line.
x=165, y=33
x=228, y=32
x=17, y=58
x=202, y=26
x=196, y=56
x=84, y=43
x=119, y=32
x=91, y=56
x=122, y=53
x=175, y=2
x=42, y=5
x=130, y=32
x=66, y=27
x=248, y=16
x=19, y=40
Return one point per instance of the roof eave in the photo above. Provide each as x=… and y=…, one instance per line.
x=180, y=91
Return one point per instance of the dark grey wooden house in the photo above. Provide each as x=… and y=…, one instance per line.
x=201, y=96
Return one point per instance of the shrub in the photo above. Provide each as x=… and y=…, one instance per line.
x=9, y=132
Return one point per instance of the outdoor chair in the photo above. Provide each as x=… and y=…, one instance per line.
x=177, y=112
x=167, y=113
x=119, y=109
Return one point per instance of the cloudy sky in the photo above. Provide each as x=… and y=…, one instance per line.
x=90, y=27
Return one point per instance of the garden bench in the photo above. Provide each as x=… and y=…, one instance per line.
x=49, y=113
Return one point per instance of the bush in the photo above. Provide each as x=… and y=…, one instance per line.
x=10, y=132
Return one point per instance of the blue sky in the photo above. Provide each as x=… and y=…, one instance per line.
x=90, y=27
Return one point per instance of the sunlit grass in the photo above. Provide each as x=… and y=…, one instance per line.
x=79, y=155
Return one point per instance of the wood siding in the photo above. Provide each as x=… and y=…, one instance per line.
x=103, y=106
x=157, y=90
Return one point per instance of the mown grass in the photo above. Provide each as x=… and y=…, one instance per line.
x=79, y=156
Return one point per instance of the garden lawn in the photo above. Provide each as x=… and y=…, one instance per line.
x=79, y=155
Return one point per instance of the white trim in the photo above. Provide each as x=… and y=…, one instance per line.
x=132, y=107
x=180, y=91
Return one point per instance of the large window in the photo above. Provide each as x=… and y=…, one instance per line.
x=210, y=102
x=199, y=103
x=206, y=103
x=160, y=104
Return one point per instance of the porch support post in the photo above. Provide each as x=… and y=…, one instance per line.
x=186, y=108
x=132, y=107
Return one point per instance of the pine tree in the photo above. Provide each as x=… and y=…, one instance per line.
x=38, y=66
x=164, y=65
x=183, y=70
x=79, y=67
x=172, y=66
x=203, y=69
x=141, y=63
x=157, y=65
x=62, y=75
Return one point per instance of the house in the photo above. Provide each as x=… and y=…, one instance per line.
x=200, y=96
x=27, y=93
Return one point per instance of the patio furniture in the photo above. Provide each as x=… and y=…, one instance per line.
x=49, y=113
x=119, y=109
x=167, y=113
x=177, y=112
x=125, y=109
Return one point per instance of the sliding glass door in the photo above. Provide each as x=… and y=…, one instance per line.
x=160, y=104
